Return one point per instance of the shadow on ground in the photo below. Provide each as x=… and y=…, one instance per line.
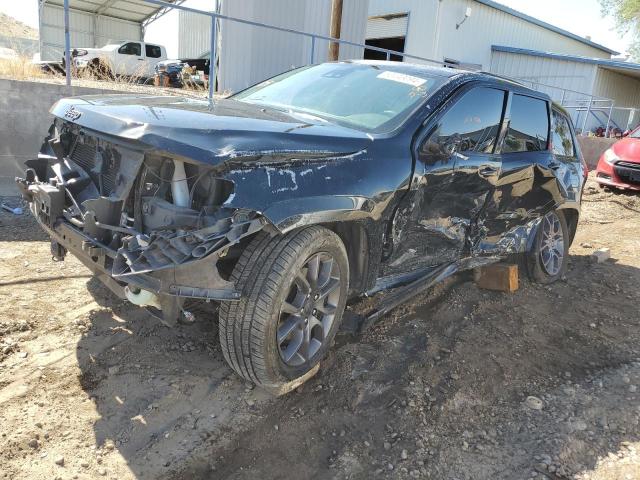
x=436, y=390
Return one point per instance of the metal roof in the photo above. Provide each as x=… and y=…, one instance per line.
x=548, y=26
x=626, y=68
x=133, y=10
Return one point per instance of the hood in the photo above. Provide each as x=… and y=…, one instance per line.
x=210, y=133
x=628, y=149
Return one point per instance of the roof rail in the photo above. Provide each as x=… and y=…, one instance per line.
x=502, y=77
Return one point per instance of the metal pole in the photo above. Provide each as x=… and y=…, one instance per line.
x=586, y=116
x=212, y=58
x=313, y=48
x=564, y=92
x=388, y=56
x=67, y=44
x=609, y=120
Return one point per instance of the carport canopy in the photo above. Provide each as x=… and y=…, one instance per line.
x=137, y=11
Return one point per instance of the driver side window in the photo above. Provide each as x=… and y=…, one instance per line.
x=472, y=124
x=131, y=49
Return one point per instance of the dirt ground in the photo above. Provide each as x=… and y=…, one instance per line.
x=92, y=387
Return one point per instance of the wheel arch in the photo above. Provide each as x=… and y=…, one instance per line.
x=355, y=238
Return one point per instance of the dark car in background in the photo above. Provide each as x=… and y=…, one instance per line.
x=317, y=186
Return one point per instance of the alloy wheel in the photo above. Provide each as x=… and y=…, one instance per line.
x=552, y=244
x=308, y=312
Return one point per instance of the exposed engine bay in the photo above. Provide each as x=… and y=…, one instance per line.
x=151, y=225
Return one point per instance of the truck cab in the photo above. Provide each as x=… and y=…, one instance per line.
x=131, y=58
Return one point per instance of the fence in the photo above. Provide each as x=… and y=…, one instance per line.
x=587, y=110
x=217, y=18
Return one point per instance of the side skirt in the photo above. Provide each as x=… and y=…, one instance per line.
x=354, y=323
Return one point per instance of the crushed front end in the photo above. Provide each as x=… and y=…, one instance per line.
x=151, y=225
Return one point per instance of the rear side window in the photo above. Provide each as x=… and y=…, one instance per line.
x=529, y=126
x=471, y=125
x=153, y=51
x=131, y=49
x=561, y=138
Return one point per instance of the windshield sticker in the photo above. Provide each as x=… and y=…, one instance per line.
x=402, y=78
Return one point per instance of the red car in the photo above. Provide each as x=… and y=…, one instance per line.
x=619, y=166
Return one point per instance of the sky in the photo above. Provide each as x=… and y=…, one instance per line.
x=582, y=17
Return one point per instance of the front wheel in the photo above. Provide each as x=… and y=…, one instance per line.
x=294, y=291
x=547, y=261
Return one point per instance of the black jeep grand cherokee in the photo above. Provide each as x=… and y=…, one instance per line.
x=319, y=185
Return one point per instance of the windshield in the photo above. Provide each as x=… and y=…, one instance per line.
x=368, y=97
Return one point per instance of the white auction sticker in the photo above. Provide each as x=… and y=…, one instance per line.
x=402, y=78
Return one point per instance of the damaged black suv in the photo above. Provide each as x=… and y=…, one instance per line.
x=320, y=185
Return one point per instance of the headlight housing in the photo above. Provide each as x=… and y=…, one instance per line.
x=79, y=52
x=610, y=156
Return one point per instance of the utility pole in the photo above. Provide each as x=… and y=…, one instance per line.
x=336, y=23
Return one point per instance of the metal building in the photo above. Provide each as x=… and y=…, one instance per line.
x=613, y=86
x=485, y=35
x=93, y=23
x=249, y=54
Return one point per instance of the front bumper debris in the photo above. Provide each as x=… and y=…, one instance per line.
x=173, y=264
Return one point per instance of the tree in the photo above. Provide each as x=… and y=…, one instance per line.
x=627, y=16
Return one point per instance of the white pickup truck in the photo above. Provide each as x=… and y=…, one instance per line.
x=131, y=58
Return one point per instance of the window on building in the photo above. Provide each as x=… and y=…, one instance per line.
x=131, y=49
x=396, y=44
x=471, y=125
x=153, y=51
x=529, y=126
x=388, y=32
x=561, y=138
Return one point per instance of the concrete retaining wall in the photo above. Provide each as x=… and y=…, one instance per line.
x=24, y=121
x=593, y=147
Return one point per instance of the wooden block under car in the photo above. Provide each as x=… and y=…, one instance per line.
x=501, y=277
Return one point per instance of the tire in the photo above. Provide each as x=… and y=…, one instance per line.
x=252, y=330
x=543, y=266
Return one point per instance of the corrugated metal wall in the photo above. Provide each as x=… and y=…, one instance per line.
x=250, y=54
x=194, y=35
x=432, y=31
x=110, y=30
x=559, y=73
x=422, y=35
x=488, y=26
x=86, y=30
x=624, y=90
x=354, y=26
x=587, y=79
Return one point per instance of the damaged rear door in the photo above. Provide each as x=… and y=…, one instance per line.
x=455, y=174
x=524, y=188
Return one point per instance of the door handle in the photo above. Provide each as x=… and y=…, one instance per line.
x=488, y=170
